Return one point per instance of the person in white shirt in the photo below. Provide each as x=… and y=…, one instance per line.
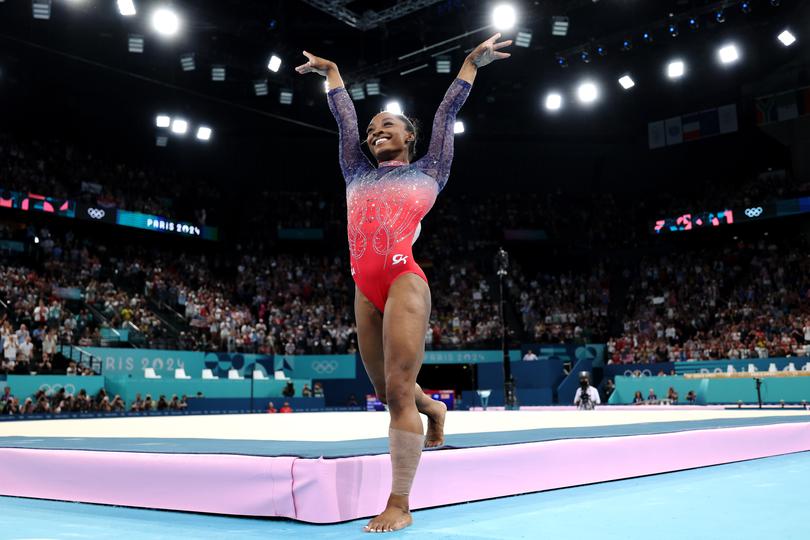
x=27, y=349
x=10, y=350
x=586, y=396
x=529, y=356
x=49, y=345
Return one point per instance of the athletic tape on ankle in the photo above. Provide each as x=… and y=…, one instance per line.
x=406, y=449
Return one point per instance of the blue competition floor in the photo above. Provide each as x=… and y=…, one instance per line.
x=751, y=500
x=308, y=449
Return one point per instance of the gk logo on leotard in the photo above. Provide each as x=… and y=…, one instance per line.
x=400, y=259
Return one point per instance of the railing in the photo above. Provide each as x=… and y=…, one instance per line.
x=85, y=358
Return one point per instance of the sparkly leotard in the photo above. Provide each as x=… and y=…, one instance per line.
x=386, y=204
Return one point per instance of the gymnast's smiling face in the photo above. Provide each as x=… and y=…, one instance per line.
x=390, y=138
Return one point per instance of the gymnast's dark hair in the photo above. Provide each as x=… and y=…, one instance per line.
x=411, y=126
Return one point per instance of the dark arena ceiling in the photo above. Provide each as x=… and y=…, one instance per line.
x=72, y=77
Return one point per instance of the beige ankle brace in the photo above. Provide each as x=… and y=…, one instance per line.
x=406, y=449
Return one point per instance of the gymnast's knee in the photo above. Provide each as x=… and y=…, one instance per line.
x=400, y=395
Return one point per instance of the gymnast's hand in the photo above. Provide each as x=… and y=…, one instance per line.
x=316, y=64
x=324, y=68
x=489, y=51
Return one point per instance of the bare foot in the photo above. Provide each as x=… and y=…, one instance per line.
x=435, y=430
x=396, y=516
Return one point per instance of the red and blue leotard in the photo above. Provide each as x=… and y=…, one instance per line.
x=386, y=204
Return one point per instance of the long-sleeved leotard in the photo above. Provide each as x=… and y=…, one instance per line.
x=386, y=204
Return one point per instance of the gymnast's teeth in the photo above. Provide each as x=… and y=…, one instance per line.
x=379, y=141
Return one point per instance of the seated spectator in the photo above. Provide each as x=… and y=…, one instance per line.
x=691, y=397
x=148, y=404
x=317, y=390
x=6, y=395
x=651, y=395
x=174, y=404
x=306, y=391
x=286, y=408
x=162, y=404
x=672, y=395
x=271, y=409
x=610, y=387
x=289, y=390
x=137, y=403
x=118, y=404
x=638, y=399
x=183, y=405
x=529, y=356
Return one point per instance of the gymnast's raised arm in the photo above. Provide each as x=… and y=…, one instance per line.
x=439, y=157
x=352, y=160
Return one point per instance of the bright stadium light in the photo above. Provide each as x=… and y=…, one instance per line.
x=357, y=92
x=204, y=133
x=553, y=102
x=787, y=38
x=587, y=92
x=504, y=17
x=676, y=69
x=260, y=87
x=179, y=126
x=373, y=87
x=274, y=64
x=165, y=22
x=187, y=62
x=627, y=82
x=41, y=9
x=163, y=121
x=126, y=8
x=285, y=97
x=135, y=44
x=458, y=127
x=728, y=54
x=393, y=107
x=218, y=73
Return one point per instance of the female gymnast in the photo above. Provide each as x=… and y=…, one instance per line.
x=392, y=298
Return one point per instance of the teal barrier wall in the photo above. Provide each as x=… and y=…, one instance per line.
x=761, y=364
x=335, y=366
x=715, y=391
x=626, y=388
x=133, y=362
x=224, y=388
x=23, y=386
x=468, y=357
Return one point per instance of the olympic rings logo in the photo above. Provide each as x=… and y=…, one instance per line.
x=51, y=390
x=324, y=366
x=642, y=373
x=753, y=212
x=96, y=213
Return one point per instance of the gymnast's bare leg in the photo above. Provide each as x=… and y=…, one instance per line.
x=370, y=340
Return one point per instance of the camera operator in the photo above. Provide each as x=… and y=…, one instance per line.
x=586, y=397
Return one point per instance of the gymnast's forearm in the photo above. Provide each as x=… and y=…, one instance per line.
x=468, y=71
x=333, y=78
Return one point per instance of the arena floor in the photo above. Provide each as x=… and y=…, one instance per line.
x=344, y=426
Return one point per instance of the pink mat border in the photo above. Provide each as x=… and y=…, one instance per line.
x=334, y=490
